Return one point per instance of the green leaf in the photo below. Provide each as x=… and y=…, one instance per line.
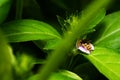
x=4, y=9
x=51, y=44
x=109, y=32
x=62, y=75
x=24, y=65
x=48, y=45
x=96, y=19
x=27, y=30
x=106, y=61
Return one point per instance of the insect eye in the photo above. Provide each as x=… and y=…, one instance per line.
x=84, y=46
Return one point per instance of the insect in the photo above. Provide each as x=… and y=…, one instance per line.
x=84, y=46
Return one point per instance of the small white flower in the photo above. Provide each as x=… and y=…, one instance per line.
x=84, y=46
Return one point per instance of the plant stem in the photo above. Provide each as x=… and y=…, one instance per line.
x=19, y=8
x=6, y=59
x=66, y=45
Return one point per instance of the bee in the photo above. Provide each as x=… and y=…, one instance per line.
x=84, y=46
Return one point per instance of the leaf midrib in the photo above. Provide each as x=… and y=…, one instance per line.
x=112, y=23
x=29, y=33
x=107, y=36
x=104, y=65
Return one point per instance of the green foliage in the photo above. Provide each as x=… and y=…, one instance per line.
x=6, y=59
x=23, y=66
x=70, y=38
x=27, y=30
x=64, y=75
x=73, y=20
x=106, y=61
x=24, y=63
x=61, y=75
x=109, y=31
x=4, y=9
x=62, y=63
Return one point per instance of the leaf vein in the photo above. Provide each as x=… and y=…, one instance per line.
x=104, y=65
x=14, y=34
x=107, y=35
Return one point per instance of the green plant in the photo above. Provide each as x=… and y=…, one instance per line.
x=64, y=61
